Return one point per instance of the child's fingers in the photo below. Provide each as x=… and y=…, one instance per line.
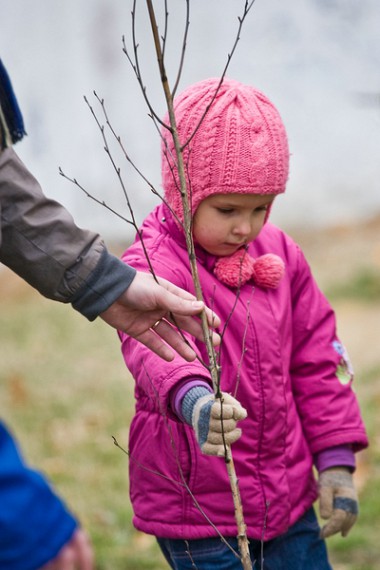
x=326, y=502
x=228, y=407
x=216, y=443
x=229, y=438
x=217, y=426
x=340, y=521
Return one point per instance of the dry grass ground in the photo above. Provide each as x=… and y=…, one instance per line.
x=65, y=391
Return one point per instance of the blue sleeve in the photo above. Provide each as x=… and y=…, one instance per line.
x=34, y=523
x=11, y=121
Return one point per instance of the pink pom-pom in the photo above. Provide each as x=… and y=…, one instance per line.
x=234, y=270
x=268, y=271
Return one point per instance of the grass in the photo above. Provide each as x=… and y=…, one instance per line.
x=66, y=392
x=365, y=285
x=360, y=550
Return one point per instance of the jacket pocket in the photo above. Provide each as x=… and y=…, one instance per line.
x=160, y=456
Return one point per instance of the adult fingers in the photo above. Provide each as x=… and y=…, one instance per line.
x=84, y=555
x=181, y=302
x=193, y=327
x=163, y=331
x=77, y=554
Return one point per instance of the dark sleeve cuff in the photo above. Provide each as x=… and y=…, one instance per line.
x=110, y=278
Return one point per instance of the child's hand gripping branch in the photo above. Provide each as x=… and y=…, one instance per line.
x=338, y=501
x=213, y=419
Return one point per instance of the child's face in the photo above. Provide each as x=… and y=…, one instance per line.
x=225, y=222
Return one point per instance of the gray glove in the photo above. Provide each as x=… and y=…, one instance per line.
x=214, y=420
x=338, y=501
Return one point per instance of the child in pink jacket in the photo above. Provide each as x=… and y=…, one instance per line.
x=284, y=372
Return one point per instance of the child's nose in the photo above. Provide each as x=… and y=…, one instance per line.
x=243, y=228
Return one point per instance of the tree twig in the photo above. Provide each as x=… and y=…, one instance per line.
x=214, y=367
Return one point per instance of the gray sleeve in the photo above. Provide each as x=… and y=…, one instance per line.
x=41, y=243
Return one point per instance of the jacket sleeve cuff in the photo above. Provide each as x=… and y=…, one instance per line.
x=339, y=456
x=110, y=278
x=178, y=394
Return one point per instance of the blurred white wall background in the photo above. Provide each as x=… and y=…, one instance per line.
x=318, y=60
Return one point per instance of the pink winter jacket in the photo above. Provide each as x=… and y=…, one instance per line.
x=280, y=357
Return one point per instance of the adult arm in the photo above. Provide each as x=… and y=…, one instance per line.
x=42, y=244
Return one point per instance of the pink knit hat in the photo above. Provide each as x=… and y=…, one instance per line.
x=240, y=146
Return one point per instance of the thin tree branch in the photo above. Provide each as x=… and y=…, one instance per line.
x=177, y=164
x=185, y=203
x=120, y=178
x=247, y=7
x=214, y=367
x=166, y=27
x=92, y=197
x=135, y=64
x=184, y=44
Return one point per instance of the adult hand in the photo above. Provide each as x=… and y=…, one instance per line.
x=77, y=554
x=338, y=501
x=146, y=305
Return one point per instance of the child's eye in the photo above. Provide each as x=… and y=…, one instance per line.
x=225, y=210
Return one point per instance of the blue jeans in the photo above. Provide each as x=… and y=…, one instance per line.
x=300, y=548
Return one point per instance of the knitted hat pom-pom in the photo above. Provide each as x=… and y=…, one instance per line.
x=265, y=271
x=234, y=270
x=268, y=270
